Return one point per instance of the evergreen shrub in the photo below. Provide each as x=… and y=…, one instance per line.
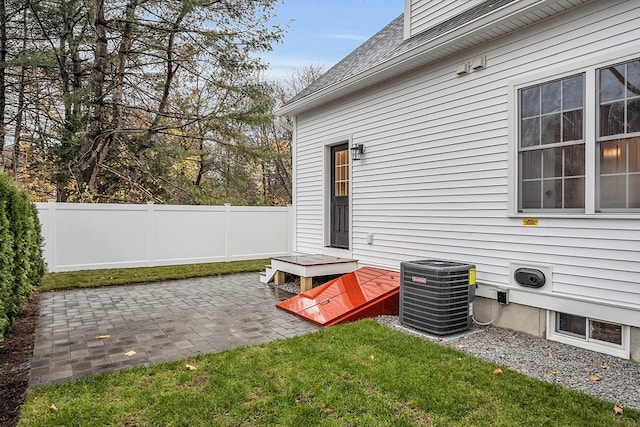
x=21, y=262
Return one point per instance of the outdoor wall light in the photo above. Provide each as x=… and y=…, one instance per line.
x=357, y=151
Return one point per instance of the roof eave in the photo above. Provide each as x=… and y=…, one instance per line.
x=413, y=58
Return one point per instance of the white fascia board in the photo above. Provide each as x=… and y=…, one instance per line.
x=414, y=57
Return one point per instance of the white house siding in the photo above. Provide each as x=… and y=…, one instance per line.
x=424, y=14
x=434, y=179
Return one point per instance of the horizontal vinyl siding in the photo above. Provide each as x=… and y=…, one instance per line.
x=433, y=182
x=428, y=13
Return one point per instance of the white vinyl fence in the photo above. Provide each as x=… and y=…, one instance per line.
x=81, y=236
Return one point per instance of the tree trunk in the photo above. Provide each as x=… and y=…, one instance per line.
x=123, y=57
x=17, y=136
x=96, y=146
x=170, y=73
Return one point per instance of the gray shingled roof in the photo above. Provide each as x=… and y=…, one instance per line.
x=389, y=43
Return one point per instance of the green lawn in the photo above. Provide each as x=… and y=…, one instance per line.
x=123, y=276
x=359, y=374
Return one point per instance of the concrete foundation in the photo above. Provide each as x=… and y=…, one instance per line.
x=515, y=317
x=635, y=344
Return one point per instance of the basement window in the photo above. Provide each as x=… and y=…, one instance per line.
x=591, y=334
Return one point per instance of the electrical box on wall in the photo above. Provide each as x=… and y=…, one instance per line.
x=502, y=295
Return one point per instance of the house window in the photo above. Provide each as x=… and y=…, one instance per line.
x=619, y=136
x=598, y=335
x=552, y=149
x=588, y=329
x=579, y=141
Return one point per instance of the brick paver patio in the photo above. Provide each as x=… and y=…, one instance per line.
x=152, y=323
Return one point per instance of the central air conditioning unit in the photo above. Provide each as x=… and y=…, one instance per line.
x=436, y=295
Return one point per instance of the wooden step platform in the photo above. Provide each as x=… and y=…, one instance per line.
x=307, y=267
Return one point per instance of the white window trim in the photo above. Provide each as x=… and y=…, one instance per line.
x=588, y=67
x=622, y=351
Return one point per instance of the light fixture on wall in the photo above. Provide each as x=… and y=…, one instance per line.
x=357, y=151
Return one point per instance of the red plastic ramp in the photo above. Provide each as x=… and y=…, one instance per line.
x=365, y=292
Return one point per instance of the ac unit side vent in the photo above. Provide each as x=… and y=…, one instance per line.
x=435, y=295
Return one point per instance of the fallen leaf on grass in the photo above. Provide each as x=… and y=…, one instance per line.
x=497, y=371
x=594, y=378
x=605, y=366
x=372, y=357
x=327, y=409
x=103, y=337
x=619, y=410
x=552, y=371
x=130, y=353
x=53, y=408
x=190, y=367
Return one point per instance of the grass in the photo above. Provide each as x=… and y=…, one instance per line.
x=359, y=374
x=123, y=276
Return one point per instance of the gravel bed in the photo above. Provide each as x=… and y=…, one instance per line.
x=606, y=377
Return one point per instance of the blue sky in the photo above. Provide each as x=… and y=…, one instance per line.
x=325, y=31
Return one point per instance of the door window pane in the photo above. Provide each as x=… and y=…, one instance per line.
x=341, y=184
